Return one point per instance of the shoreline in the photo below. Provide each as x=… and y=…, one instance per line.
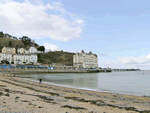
x=87, y=89
x=18, y=94
x=84, y=88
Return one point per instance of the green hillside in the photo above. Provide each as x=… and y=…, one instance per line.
x=56, y=57
x=44, y=58
x=14, y=43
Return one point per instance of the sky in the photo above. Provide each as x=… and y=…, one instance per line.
x=116, y=30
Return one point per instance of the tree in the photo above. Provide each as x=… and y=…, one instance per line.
x=15, y=38
x=41, y=48
x=90, y=52
x=39, y=58
x=19, y=38
x=1, y=34
x=26, y=40
x=82, y=51
x=36, y=45
x=24, y=62
x=5, y=62
x=10, y=44
x=9, y=36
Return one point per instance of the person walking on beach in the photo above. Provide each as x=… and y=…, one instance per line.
x=40, y=81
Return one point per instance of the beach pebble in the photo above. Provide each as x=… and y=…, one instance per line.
x=17, y=98
x=92, y=112
x=7, y=95
x=40, y=107
x=6, y=90
x=1, y=93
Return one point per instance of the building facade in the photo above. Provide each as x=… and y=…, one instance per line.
x=33, y=58
x=20, y=58
x=32, y=50
x=6, y=57
x=24, y=58
x=8, y=50
x=21, y=50
x=85, y=60
x=0, y=57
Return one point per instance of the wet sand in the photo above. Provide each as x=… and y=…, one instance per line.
x=18, y=95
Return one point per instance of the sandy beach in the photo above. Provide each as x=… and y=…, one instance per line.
x=19, y=95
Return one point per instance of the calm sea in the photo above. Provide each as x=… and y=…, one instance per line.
x=133, y=82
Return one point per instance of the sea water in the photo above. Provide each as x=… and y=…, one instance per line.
x=124, y=82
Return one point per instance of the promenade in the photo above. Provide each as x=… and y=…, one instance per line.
x=17, y=70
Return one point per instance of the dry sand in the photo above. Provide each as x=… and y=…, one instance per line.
x=18, y=95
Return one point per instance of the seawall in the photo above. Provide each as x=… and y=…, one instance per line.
x=50, y=71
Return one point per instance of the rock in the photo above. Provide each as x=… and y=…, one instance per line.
x=2, y=86
x=73, y=107
x=40, y=107
x=92, y=112
x=145, y=111
x=25, y=101
x=1, y=93
x=7, y=95
x=6, y=90
x=131, y=108
x=17, y=98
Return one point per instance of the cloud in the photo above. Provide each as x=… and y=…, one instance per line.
x=141, y=60
x=50, y=47
x=103, y=54
x=53, y=47
x=110, y=64
x=107, y=15
x=39, y=20
x=79, y=21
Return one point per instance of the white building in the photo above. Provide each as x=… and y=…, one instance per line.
x=26, y=52
x=24, y=58
x=20, y=58
x=22, y=51
x=0, y=56
x=32, y=50
x=8, y=50
x=40, y=52
x=7, y=57
x=33, y=58
x=85, y=60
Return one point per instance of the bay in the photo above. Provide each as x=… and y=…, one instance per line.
x=124, y=82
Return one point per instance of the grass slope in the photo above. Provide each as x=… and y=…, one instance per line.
x=15, y=43
x=45, y=58
x=56, y=57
